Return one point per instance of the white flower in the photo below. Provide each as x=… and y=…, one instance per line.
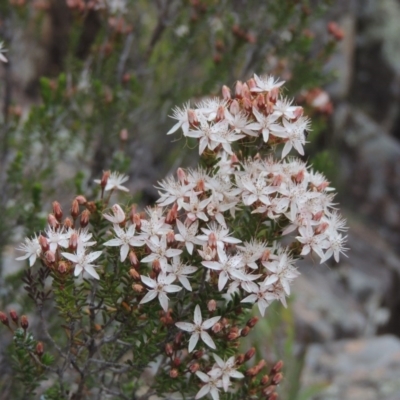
x=126, y=238
x=183, y=119
x=226, y=370
x=211, y=386
x=266, y=125
x=159, y=251
x=83, y=261
x=195, y=207
x=266, y=83
x=198, y=329
x=115, y=181
x=159, y=288
x=32, y=249
x=118, y=217
x=284, y=108
x=150, y=229
x=56, y=238
x=263, y=296
x=221, y=235
x=310, y=241
x=294, y=134
x=229, y=267
x=180, y=270
x=282, y=270
x=187, y=234
x=334, y=245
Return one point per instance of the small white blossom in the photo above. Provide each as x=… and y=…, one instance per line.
x=225, y=370
x=160, y=288
x=198, y=329
x=125, y=239
x=83, y=261
x=32, y=249
x=211, y=386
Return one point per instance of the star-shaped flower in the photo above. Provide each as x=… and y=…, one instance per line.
x=159, y=288
x=32, y=249
x=211, y=386
x=225, y=370
x=198, y=329
x=83, y=261
x=126, y=238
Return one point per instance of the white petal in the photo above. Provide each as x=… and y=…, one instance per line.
x=185, y=326
x=207, y=324
x=193, y=341
x=151, y=295
x=206, y=338
x=91, y=271
x=197, y=315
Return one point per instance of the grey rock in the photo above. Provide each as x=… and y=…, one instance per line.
x=355, y=369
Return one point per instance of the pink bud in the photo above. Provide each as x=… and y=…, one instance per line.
x=234, y=107
x=181, y=175
x=226, y=93
x=52, y=221
x=239, y=90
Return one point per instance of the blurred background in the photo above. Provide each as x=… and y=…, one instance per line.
x=89, y=85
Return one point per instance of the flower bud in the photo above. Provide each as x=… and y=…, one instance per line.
x=212, y=240
x=226, y=93
x=298, y=112
x=233, y=333
x=246, y=91
x=251, y=371
x=73, y=241
x=52, y=221
x=24, y=322
x=252, y=322
x=169, y=351
x=4, y=318
x=212, y=305
x=178, y=338
x=265, y=255
x=245, y=331
x=133, y=259
x=50, y=257
x=104, y=178
x=251, y=83
x=238, y=89
x=220, y=114
x=277, y=367
x=192, y=118
x=198, y=354
x=234, y=107
x=264, y=380
x=250, y=353
x=193, y=368
x=44, y=244
x=170, y=237
x=74, y=209
x=156, y=266
x=173, y=373
x=217, y=327
x=137, y=221
x=62, y=267
x=14, y=316
x=134, y=274
x=57, y=210
x=260, y=101
x=273, y=396
x=240, y=359
x=68, y=223
x=137, y=288
x=269, y=390
x=172, y=214
x=84, y=221
x=247, y=104
x=277, y=378
x=81, y=200
x=39, y=349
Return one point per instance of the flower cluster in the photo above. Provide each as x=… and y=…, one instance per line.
x=215, y=226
